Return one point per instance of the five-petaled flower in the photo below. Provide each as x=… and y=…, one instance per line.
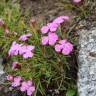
x=27, y=86
x=16, y=82
x=50, y=39
x=64, y=46
x=19, y=49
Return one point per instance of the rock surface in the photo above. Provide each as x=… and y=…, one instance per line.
x=1, y=71
x=87, y=63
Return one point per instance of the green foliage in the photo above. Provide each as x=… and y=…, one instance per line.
x=71, y=91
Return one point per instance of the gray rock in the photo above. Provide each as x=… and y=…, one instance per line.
x=2, y=76
x=1, y=67
x=87, y=63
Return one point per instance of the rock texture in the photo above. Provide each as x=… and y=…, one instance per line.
x=1, y=71
x=87, y=63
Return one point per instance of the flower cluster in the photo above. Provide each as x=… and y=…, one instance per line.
x=24, y=86
x=51, y=38
x=20, y=49
x=52, y=27
x=26, y=51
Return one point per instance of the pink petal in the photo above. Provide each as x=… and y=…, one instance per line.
x=53, y=37
x=28, y=55
x=24, y=86
x=15, y=84
x=29, y=93
x=63, y=42
x=14, y=64
x=10, y=77
x=17, y=78
x=22, y=49
x=65, y=17
x=28, y=34
x=52, y=26
x=67, y=48
x=30, y=90
x=58, y=48
x=58, y=20
x=23, y=38
x=44, y=29
x=65, y=51
x=30, y=47
x=29, y=82
x=76, y=1
x=44, y=40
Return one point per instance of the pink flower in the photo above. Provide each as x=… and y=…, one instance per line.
x=27, y=86
x=17, y=81
x=26, y=48
x=19, y=49
x=10, y=77
x=76, y=1
x=25, y=37
x=30, y=90
x=50, y=39
x=26, y=51
x=44, y=29
x=64, y=47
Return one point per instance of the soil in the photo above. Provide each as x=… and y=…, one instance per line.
x=44, y=9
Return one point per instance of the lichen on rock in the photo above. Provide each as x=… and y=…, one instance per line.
x=87, y=63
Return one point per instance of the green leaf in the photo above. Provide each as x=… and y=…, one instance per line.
x=70, y=92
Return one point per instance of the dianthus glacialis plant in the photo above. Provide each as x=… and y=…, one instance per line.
x=50, y=37
x=37, y=72
x=39, y=64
